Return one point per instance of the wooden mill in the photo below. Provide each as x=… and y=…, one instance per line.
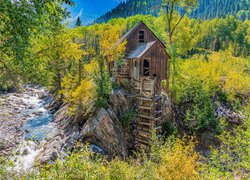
x=145, y=66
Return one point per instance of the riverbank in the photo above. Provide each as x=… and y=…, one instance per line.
x=25, y=125
x=35, y=129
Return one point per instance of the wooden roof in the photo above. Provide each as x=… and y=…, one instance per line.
x=141, y=50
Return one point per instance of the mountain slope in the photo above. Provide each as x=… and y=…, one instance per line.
x=89, y=10
x=207, y=9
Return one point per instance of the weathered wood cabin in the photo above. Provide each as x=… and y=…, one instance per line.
x=145, y=56
x=145, y=66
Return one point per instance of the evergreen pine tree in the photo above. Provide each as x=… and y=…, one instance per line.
x=78, y=22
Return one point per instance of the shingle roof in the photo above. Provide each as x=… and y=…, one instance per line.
x=141, y=50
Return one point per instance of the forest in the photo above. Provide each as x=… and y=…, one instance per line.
x=207, y=9
x=209, y=83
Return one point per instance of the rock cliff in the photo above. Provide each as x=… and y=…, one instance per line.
x=100, y=127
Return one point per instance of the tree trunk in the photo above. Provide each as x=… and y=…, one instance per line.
x=79, y=72
x=170, y=36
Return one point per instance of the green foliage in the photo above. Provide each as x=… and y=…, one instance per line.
x=168, y=129
x=128, y=118
x=32, y=61
x=106, y=52
x=232, y=157
x=221, y=75
x=5, y=168
x=58, y=56
x=220, y=34
x=223, y=96
x=207, y=9
x=103, y=84
x=196, y=36
x=200, y=111
x=19, y=22
x=202, y=86
x=78, y=22
x=74, y=63
x=173, y=18
x=175, y=159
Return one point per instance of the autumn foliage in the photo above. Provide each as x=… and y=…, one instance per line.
x=209, y=69
x=177, y=159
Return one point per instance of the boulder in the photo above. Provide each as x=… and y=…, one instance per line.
x=167, y=112
x=25, y=152
x=104, y=130
x=51, y=149
x=118, y=102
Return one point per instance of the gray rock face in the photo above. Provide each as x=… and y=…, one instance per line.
x=64, y=136
x=119, y=102
x=168, y=113
x=51, y=149
x=123, y=102
x=104, y=130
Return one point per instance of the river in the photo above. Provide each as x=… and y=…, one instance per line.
x=25, y=124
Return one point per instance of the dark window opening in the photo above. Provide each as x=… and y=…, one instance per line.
x=154, y=75
x=145, y=68
x=141, y=36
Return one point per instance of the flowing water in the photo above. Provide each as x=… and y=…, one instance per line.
x=38, y=126
x=26, y=125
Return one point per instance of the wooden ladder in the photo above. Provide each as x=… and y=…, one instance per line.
x=148, y=120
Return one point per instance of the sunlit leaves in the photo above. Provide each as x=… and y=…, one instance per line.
x=221, y=70
x=232, y=157
x=20, y=21
x=177, y=160
x=108, y=36
x=83, y=94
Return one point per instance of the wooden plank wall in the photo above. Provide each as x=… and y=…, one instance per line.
x=158, y=61
x=133, y=40
x=157, y=56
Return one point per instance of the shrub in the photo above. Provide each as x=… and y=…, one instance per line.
x=168, y=129
x=79, y=96
x=179, y=162
x=128, y=118
x=176, y=159
x=220, y=72
x=6, y=168
x=202, y=85
x=231, y=158
x=200, y=113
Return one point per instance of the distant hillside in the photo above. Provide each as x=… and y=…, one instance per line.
x=208, y=9
x=89, y=10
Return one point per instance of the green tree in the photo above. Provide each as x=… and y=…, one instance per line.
x=172, y=19
x=19, y=21
x=78, y=22
x=107, y=53
x=169, y=12
x=61, y=53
